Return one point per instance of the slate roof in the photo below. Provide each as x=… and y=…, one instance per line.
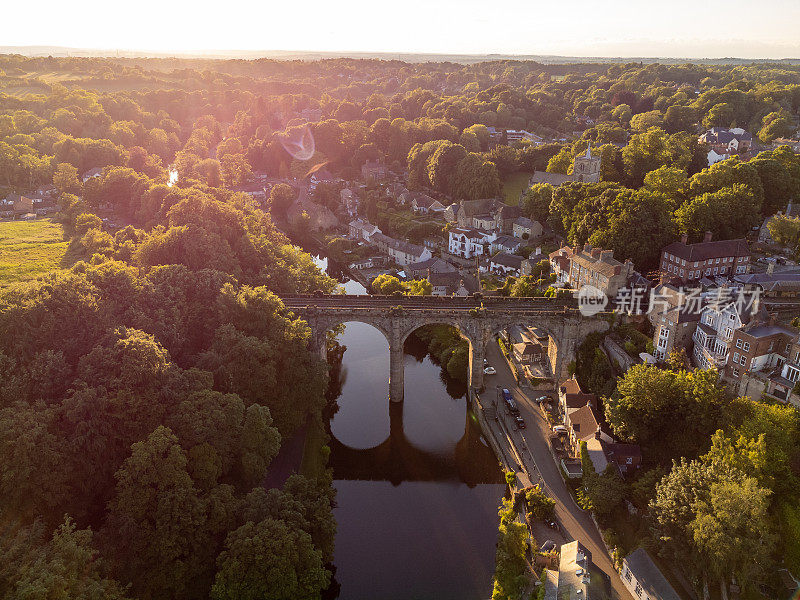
x=524, y=222
x=649, y=576
x=583, y=422
x=433, y=264
x=555, y=179
x=772, y=282
x=507, y=241
x=706, y=250
x=507, y=260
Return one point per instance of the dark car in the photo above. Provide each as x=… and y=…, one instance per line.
x=519, y=421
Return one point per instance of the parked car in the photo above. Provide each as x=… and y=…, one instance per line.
x=541, y=399
x=508, y=399
x=559, y=429
x=490, y=370
x=519, y=421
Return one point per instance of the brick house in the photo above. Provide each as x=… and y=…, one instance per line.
x=764, y=357
x=686, y=263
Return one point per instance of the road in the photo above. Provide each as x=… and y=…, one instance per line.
x=532, y=443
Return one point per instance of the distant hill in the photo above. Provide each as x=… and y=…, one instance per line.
x=403, y=56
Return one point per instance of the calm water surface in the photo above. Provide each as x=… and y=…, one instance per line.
x=417, y=487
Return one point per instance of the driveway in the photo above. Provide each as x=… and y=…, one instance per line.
x=576, y=523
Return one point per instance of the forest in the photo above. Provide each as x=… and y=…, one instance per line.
x=146, y=388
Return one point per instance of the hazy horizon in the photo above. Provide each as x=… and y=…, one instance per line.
x=573, y=28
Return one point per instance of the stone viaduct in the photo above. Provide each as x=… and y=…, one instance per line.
x=478, y=319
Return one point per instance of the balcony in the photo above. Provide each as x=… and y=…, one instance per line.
x=711, y=358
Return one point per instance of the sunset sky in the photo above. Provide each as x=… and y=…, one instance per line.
x=680, y=28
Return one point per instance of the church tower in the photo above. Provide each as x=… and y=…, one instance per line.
x=586, y=167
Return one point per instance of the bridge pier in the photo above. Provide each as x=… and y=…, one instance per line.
x=477, y=352
x=396, y=370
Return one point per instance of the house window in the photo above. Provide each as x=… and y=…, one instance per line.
x=638, y=590
x=739, y=343
x=743, y=361
x=746, y=346
x=715, y=270
x=736, y=357
x=736, y=372
x=628, y=574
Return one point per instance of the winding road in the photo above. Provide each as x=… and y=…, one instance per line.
x=532, y=444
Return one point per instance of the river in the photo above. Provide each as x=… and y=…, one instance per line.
x=417, y=486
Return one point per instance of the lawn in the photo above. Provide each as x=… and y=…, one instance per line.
x=29, y=249
x=514, y=185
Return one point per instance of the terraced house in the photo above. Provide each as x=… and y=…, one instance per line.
x=682, y=262
x=592, y=266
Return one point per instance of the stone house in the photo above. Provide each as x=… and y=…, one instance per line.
x=362, y=230
x=674, y=320
x=524, y=228
x=595, y=267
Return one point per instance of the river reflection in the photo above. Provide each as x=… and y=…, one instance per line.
x=417, y=486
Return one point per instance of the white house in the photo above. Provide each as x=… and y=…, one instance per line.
x=644, y=579
x=515, y=135
x=92, y=173
x=505, y=264
x=714, y=333
x=469, y=243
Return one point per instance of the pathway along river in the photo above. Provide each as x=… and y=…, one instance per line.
x=417, y=486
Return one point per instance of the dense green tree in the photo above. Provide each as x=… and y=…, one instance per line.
x=269, y=560
x=511, y=568
x=675, y=412
x=476, y=178
x=154, y=518
x=728, y=213
x=716, y=517
x=280, y=198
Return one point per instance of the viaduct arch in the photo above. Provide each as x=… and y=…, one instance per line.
x=477, y=319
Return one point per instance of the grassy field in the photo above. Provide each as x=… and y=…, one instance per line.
x=514, y=185
x=29, y=249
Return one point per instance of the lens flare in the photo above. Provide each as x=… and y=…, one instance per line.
x=298, y=142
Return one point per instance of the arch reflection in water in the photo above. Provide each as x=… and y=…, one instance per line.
x=417, y=487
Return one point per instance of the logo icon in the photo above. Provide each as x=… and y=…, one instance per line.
x=591, y=300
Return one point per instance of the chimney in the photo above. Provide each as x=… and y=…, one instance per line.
x=770, y=268
x=707, y=236
x=684, y=238
x=606, y=255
